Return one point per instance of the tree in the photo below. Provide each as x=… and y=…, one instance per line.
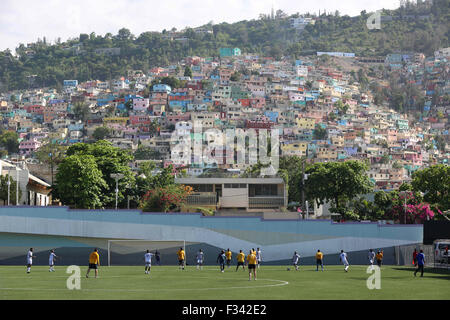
x=145, y=153
x=434, y=182
x=79, y=182
x=12, y=190
x=188, y=72
x=235, y=76
x=81, y=111
x=320, y=133
x=101, y=133
x=57, y=153
x=164, y=199
x=337, y=182
x=10, y=141
x=109, y=160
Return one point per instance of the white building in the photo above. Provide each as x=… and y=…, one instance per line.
x=35, y=192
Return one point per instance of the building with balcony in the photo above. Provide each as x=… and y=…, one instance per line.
x=237, y=193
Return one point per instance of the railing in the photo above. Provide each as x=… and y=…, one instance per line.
x=265, y=202
x=202, y=199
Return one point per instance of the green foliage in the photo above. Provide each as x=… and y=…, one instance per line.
x=187, y=72
x=434, y=182
x=10, y=141
x=164, y=199
x=81, y=111
x=109, y=160
x=52, y=64
x=320, y=133
x=79, y=182
x=12, y=190
x=146, y=180
x=101, y=133
x=57, y=153
x=337, y=182
x=145, y=153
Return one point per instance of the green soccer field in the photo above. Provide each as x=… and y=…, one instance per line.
x=273, y=282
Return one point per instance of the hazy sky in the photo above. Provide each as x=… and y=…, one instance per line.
x=24, y=21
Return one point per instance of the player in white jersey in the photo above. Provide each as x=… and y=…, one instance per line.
x=200, y=259
x=295, y=259
x=30, y=257
x=258, y=256
x=371, y=257
x=343, y=258
x=51, y=261
x=148, y=261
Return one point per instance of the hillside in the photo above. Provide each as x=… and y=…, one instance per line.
x=422, y=28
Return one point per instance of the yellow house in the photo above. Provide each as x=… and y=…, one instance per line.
x=338, y=141
x=111, y=120
x=305, y=123
x=326, y=154
x=294, y=149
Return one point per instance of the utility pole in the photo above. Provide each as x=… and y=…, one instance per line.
x=303, y=188
x=117, y=176
x=51, y=164
x=9, y=187
x=17, y=185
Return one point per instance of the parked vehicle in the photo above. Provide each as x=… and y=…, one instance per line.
x=441, y=247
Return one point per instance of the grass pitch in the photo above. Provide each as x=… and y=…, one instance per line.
x=273, y=283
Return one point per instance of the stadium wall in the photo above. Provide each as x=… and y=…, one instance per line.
x=74, y=233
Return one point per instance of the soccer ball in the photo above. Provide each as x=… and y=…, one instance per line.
x=288, y=269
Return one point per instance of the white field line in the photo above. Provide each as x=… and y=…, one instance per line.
x=281, y=283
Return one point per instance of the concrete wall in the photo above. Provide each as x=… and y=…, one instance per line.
x=78, y=231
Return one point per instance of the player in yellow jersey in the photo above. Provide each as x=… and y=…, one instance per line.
x=251, y=263
x=319, y=260
x=240, y=260
x=181, y=258
x=228, y=254
x=94, y=262
x=379, y=257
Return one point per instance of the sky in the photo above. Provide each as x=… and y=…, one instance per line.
x=24, y=21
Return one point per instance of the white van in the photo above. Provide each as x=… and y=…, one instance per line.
x=441, y=247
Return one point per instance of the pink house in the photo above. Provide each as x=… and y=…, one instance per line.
x=29, y=146
x=141, y=104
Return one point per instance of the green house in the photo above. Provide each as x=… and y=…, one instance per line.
x=230, y=52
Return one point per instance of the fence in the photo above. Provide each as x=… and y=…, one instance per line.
x=404, y=254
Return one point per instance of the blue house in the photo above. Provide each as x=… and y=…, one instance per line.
x=162, y=88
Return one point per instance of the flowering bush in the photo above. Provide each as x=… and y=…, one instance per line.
x=408, y=208
x=164, y=199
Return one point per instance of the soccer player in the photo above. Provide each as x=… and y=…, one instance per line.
x=158, y=258
x=148, y=261
x=295, y=260
x=240, y=260
x=30, y=256
x=228, y=255
x=51, y=261
x=200, y=259
x=221, y=260
x=251, y=263
x=258, y=256
x=94, y=262
x=371, y=257
x=415, y=253
x=181, y=257
x=319, y=260
x=343, y=258
x=379, y=257
x=420, y=263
